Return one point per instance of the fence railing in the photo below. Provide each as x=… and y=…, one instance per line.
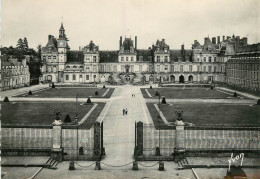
x=157, y=141
x=26, y=138
x=62, y=142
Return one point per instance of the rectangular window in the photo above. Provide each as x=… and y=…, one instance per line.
x=67, y=77
x=95, y=59
x=181, y=68
x=209, y=59
x=215, y=69
x=204, y=68
x=215, y=59
x=190, y=68
x=127, y=59
x=80, y=76
x=198, y=68
x=87, y=77
x=122, y=59
x=122, y=68
x=165, y=58
x=94, y=76
x=204, y=59
x=132, y=59
x=44, y=58
x=209, y=69
x=132, y=68
x=158, y=68
x=94, y=68
x=150, y=68
x=49, y=57
x=166, y=67
x=74, y=77
x=115, y=68
x=158, y=59
x=140, y=68
x=172, y=68
x=54, y=57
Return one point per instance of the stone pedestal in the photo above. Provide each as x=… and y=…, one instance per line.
x=179, y=151
x=72, y=166
x=161, y=166
x=98, y=166
x=56, y=152
x=135, y=166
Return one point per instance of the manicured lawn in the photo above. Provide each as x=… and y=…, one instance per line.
x=201, y=114
x=70, y=93
x=186, y=93
x=42, y=113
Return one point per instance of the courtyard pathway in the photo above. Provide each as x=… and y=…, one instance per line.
x=119, y=129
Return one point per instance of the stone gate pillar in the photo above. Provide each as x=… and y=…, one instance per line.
x=139, y=139
x=56, y=152
x=97, y=141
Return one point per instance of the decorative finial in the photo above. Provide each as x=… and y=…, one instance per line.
x=179, y=115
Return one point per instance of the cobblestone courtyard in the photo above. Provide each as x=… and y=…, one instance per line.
x=119, y=144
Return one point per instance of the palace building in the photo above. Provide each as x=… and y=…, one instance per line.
x=157, y=64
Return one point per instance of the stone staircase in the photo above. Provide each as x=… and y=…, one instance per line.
x=181, y=163
x=138, y=78
x=116, y=78
x=52, y=162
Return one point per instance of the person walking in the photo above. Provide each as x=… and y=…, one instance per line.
x=125, y=111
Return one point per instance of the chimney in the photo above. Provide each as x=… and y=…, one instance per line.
x=214, y=40
x=205, y=40
x=135, y=42
x=223, y=38
x=49, y=37
x=120, y=42
x=228, y=37
x=195, y=41
x=244, y=41
x=218, y=39
x=182, y=49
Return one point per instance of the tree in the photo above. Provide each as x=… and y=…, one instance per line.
x=19, y=44
x=67, y=119
x=25, y=44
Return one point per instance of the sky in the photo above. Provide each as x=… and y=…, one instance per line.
x=104, y=21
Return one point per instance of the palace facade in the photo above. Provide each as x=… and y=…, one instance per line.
x=243, y=69
x=157, y=64
x=14, y=74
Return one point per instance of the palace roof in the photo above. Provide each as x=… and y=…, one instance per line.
x=51, y=46
x=249, y=48
x=108, y=56
x=185, y=55
x=146, y=54
x=75, y=56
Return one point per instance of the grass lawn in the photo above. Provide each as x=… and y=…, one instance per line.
x=70, y=93
x=201, y=114
x=42, y=113
x=186, y=93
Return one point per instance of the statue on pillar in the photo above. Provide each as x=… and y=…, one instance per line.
x=179, y=115
x=57, y=121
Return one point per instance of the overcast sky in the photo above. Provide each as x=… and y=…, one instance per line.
x=104, y=21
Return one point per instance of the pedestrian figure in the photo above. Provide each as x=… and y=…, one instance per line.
x=126, y=111
x=123, y=111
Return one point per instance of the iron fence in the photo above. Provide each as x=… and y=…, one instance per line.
x=78, y=144
x=26, y=138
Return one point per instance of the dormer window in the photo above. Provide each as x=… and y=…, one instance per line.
x=74, y=66
x=81, y=66
x=67, y=66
